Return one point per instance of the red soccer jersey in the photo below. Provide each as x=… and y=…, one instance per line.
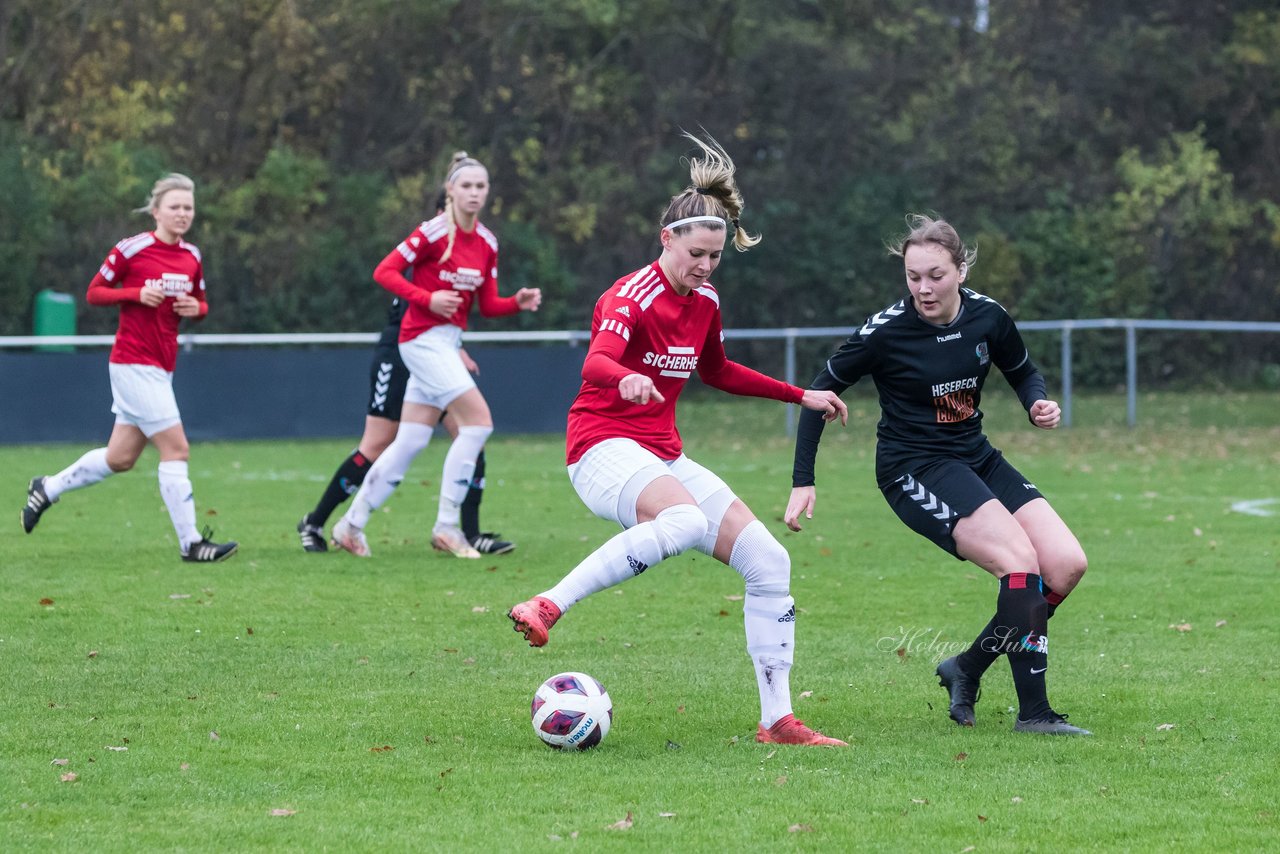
x=642, y=326
x=471, y=270
x=148, y=335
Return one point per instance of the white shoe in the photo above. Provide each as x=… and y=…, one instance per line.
x=349, y=537
x=449, y=538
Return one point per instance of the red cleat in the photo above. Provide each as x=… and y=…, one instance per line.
x=789, y=730
x=534, y=619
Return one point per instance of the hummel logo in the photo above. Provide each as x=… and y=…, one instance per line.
x=1028, y=486
x=623, y=310
x=1034, y=671
x=637, y=567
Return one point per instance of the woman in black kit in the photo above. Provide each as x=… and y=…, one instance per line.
x=929, y=355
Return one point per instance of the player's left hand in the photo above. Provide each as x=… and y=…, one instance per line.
x=826, y=402
x=186, y=306
x=529, y=298
x=468, y=362
x=1045, y=414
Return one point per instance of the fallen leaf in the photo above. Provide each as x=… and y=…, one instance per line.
x=60, y=762
x=248, y=630
x=671, y=745
x=46, y=601
x=800, y=828
x=93, y=653
x=723, y=613
x=1182, y=627
x=185, y=766
x=1219, y=624
x=179, y=595
x=969, y=848
x=920, y=800
x=621, y=824
x=1198, y=532
x=666, y=815
x=553, y=838
x=383, y=749
x=982, y=817
x=112, y=747
x=804, y=694
x=1015, y=800
x=960, y=757
x=1164, y=727
x=69, y=777
x=772, y=753
x=679, y=710
x=446, y=772
x=781, y=781
x=282, y=812
x=902, y=652
x=213, y=735
x=734, y=598
x=480, y=609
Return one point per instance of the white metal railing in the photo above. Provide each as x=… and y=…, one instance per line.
x=789, y=336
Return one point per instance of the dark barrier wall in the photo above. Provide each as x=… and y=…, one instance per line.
x=269, y=392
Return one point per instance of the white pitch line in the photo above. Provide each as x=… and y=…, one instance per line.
x=1256, y=507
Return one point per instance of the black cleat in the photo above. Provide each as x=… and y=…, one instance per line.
x=207, y=551
x=37, y=502
x=489, y=543
x=312, y=536
x=962, y=687
x=1051, y=724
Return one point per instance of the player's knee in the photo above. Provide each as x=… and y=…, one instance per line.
x=761, y=561
x=679, y=528
x=120, y=464
x=412, y=437
x=476, y=432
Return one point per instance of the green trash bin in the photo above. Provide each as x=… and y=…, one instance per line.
x=55, y=314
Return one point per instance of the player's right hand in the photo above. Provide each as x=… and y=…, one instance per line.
x=802, y=500
x=637, y=388
x=445, y=303
x=151, y=296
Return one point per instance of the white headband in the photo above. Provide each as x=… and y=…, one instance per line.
x=692, y=219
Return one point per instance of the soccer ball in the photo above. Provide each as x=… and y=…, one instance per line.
x=571, y=711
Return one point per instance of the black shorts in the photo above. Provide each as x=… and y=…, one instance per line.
x=931, y=497
x=387, y=380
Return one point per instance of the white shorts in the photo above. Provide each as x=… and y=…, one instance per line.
x=437, y=376
x=611, y=475
x=142, y=395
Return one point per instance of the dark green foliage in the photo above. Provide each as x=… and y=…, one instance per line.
x=1107, y=160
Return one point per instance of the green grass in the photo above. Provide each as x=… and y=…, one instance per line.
x=385, y=702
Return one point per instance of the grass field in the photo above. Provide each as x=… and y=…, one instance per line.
x=316, y=702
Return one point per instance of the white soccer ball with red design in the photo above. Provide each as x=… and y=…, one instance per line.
x=571, y=711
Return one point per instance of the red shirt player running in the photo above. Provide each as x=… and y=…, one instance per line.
x=650, y=332
x=156, y=278
x=454, y=262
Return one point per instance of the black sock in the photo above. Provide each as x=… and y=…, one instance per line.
x=471, y=504
x=345, y=483
x=990, y=644
x=1022, y=613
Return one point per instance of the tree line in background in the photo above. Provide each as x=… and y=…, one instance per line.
x=1107, y=159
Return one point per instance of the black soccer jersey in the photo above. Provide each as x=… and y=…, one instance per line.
x=390, y=337
x=929, y=379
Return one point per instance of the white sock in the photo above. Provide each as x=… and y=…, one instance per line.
x=176, y=491
x=769, y=616
x=388, y=470
x=630, y=553
x=86, y=471
x=770, y=622
x=459, y=466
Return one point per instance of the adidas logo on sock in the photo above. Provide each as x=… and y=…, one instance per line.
x=637, y=567
x=789, y=617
